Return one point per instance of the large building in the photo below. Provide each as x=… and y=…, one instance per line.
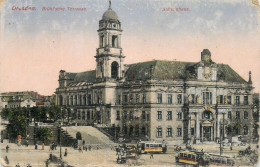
x=160, y=100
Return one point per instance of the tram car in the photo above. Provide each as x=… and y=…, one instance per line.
x=194, y=158
x=220, y=160
x=152, y=147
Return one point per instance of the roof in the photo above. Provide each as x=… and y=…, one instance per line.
x=159, y=70
x=87, y=76
x=110, y=15
x=176, y=70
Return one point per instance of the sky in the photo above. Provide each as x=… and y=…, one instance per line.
x=36, y=45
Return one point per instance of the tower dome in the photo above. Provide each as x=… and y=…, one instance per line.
x=110, y=15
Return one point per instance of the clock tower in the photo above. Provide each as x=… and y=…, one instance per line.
x=109, y=56
x=207, y=69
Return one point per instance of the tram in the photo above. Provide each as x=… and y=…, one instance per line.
x=152, y=147
x=194, y=158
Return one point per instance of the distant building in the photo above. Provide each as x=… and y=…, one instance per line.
x=23, y=99
x=160, y=100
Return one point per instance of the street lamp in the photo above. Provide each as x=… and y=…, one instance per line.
x=60, y=138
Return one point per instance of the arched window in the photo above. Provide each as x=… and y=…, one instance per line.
x=114, y=70
x=114, y=41
x=206, y=115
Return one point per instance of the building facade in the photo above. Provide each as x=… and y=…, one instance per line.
x=160, y=100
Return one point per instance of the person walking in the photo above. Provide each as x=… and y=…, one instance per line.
x=7, y=148
x=66, y=152
x=151, y=156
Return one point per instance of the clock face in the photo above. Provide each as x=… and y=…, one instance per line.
x=207, y=72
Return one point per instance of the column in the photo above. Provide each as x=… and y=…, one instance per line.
x=197, y=127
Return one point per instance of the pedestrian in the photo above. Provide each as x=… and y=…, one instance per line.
x=230, y=148
x=89, y=147
x=80, y=149
x=17, y=165
x=66, y=152
x=42, y=146
x=86, y=148
x=151, y=156
x=7, y=148
x=55, y=146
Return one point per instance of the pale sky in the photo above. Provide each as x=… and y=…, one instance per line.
x=36, y=45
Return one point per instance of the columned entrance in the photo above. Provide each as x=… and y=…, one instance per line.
x=207, y=133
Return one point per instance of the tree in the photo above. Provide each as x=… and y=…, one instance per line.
x=55, y=113
x=17, y=124
x=6, y=113
x=43, y=134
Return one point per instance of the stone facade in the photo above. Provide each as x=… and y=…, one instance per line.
x=160, y=100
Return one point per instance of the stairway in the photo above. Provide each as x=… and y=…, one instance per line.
x=90, y=134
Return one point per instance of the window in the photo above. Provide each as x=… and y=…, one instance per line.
x=131, y=98
x=245, y=115
x=125, y=114
x=68, y=100
x=143, y=131
x=169, y=115
x=159, y=115
x=179, y=132
x=102, y=41
x=119, y=99
x=207, y=98
x=144, y=98
x=137, y=98
x=117, y=115
x=79, y=116
x=76, y=100
x=179, y=98
x=108, y=114
x=169, y=99
x=245, y=100
x=206, y=114
x=83, y=115
x=229, y=115
x=229, y=100
x=137, y=130
x=245, y=130
x=143, y=115
x=159, y=98
x=237, y=100
x=192, y=131
x=179, y=115
x=169, y=132
x=88, y=115
x=80, y=99
x=125, y=98
x=192, y=98
x=131, y=115
x=114, y=69
x=71, y=100
x=89, y=99
x=159, y=132
x=221, y=99
x=237, y=115
x=84, y=100
x=114, y=41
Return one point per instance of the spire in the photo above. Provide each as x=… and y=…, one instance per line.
x=109, y=4
x=250, y=80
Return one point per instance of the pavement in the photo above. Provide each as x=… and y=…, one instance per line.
x=101, y=157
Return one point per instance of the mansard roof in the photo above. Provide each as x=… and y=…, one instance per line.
x=176, y=70
x=86, y=76
x=160, y=70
